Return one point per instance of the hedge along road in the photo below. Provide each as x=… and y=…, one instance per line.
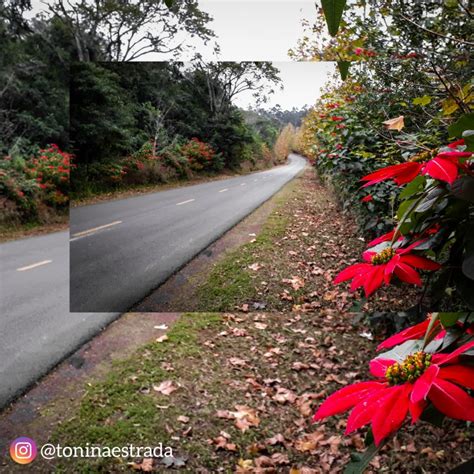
x=122, y=250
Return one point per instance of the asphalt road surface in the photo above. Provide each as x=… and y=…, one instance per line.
x=144, y=240
x=36, y=329
x=122, y=250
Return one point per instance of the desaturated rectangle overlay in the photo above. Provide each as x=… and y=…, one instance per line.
x=168, y=158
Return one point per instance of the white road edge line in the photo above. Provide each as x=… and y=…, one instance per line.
x=34, y=265
x=185, y=202
x=224, y=190
x=94, y=229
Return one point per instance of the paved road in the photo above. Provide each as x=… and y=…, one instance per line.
x=36, y=329
x=113, y=267
x=122, y=250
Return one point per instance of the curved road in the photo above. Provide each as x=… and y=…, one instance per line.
x=112, y=267
x=122, y=250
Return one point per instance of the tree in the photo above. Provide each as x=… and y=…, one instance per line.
x=226, y=80
x=117, y=30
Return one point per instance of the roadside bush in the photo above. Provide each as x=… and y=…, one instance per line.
x=201, y=156
x=33, y=188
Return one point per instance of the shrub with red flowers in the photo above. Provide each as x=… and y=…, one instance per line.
x=403, y=163
x=30, y=186
x=200, y=155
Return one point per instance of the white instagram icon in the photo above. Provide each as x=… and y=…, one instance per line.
x=23, y=450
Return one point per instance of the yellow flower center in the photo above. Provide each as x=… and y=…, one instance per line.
x=409, y=370
x=422, y=156
x=383, y=257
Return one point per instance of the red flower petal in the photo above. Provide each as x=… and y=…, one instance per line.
x=346, y=398
x=364, y=411
x=352, y=271
x=374, y=280
x=407, y=274
x=451, y=400
x=452, y=356
x=403, y=173
x=416, y=409
x=378, y=366
x=423, y=385
x=453, y=155
x=457, y=143
x=420, y=262
x=383, y=238
x=460, y=374
x=408, y=175
x=391, y=412
x=414, y=332
x=442, y=169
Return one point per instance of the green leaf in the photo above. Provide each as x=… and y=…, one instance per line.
x=412, y=187
x=425, y=100
x=343, y=67
x=468, y=136
x=333, y=13
x=463, y=188
x=403, y=208
x=449, y=319
x=465, y=122
x=169, y=3
x=468, y=267
x=430, y=200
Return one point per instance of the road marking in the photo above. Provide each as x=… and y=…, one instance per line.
x=94, y=229
x=34, y=265
x=224, y=190
x=185, y=202
x=243, y=184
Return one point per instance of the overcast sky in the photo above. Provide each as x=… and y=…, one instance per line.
x=301, y=81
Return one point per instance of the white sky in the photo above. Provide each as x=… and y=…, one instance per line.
x=301, y=81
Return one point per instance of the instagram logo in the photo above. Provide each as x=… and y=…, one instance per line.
x=23, y=450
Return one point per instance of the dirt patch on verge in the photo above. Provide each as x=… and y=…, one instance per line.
x=236, y=393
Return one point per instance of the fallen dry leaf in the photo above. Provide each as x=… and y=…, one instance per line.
x=284, y=395
x=145, y=466
x=162, y=338
x=295, y=281
x=166, y=387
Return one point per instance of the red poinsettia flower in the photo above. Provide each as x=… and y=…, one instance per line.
x=337, y=118
x=367, y=198
x=444, y=167
x=380, y=267
x=405, y=387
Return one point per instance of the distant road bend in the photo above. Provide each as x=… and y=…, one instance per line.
x=122, y=250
